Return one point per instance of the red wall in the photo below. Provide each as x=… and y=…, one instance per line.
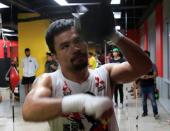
x=145, y=35
x=134, y=34
x=159, y=38
x=14, y=50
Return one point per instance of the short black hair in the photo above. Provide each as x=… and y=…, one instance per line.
x=147, y=52
x=90, y=53
x=27, y=49
x=56, y=28
x=48, y=54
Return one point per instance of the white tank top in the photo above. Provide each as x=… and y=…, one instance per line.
x=98, y=84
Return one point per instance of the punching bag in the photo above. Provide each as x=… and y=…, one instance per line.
x=97, y=24
x=13, y=78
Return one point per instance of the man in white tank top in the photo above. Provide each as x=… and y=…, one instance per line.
x=75, y=98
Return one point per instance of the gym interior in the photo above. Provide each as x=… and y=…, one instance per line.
x=24, y=23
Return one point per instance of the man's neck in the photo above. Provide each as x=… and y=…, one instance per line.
x=117, y=57
x=76, y=76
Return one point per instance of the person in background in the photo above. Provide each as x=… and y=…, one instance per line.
x=51, y=63
x=147, y=84
x=14, y=63
x=101, y=58
x=117, y=58
x=30, y=66
x=108, y=57
x=55, y=65
x=48, y=62
x=92, y=61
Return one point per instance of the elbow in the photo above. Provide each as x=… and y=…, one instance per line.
x=28, y=115
x=25, y=117
x=27, y=112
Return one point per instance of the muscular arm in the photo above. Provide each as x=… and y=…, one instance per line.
x=38, y=105
x=138, y=63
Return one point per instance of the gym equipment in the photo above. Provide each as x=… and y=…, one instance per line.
x=97, y=24
x=13, y=78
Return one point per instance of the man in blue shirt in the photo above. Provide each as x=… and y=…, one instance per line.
x=147, y=84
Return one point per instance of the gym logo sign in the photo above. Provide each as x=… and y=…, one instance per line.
x=100, y=84
x=66, y=89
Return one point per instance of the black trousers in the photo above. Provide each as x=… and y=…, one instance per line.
x=119, y=88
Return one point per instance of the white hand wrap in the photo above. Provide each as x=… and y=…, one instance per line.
x=116, y=37
x=97, y=106
x=92, y=105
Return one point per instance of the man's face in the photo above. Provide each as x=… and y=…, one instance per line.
x=53, y=57
x=71, y=50
x=115, y=53
x=27, y=53
x=49, y=58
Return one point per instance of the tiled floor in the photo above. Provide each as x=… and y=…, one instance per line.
x=126, y=117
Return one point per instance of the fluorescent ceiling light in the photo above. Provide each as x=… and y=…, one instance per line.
x=65, y=3
x=82, y=8
x=5, y=34
x=115, y=2
x=3, y=6
x=117, y=15
x=77, y=14
x=117, y=27
x=6, y=30
x=62, y=2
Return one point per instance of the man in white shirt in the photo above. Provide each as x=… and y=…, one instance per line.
x=30, y=66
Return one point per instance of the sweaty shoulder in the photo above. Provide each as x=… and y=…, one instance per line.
x=57, y=83
x=43, y=80
x=102, y=70
x=54, y=76
x=108, y=66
